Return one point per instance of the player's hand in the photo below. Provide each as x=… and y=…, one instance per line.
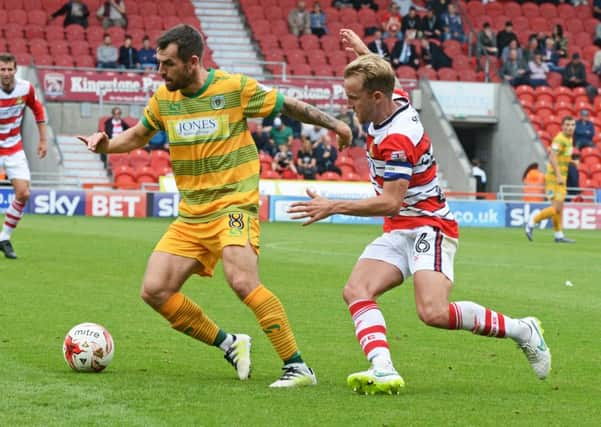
x=97, y=142
x=560, y=180
x=352, y=42
x=315, y=209
x=42, y=148
x=345, y=135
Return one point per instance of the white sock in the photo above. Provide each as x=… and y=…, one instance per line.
x=559, y=235
x=227, y=342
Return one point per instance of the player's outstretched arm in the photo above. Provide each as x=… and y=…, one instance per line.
x=306, y=113
x=134, y=137
x=352, y=42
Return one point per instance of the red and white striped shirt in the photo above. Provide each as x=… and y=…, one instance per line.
x=399, y=148
x=12, y=109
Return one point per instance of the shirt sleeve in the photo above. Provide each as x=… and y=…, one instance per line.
x=258, y=100
x=36, y=106
x=152, y=116
x=399, y=154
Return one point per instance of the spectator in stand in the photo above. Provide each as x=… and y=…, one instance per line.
x=306, y=162
x=560, y=42
x=440, y=7
x=406, y=5
x=107, y=54
x=115, y=125
x=350, y=118
x=299, y=20
x=429, y=27
x=327, y=155
x=411, y=23
x=432, y=55
x=513, y=71
x=445, y=33
x=262, y=141
x=128, y=55
x=283, y=163
x=480, y=176
x=453, y=20
x=280, y=134
x=538, y=71
x=574, y=74
x=486, y=42
x=531, y=49
x=597, y=9
x=597, y=38
x=147, y=55
x=76, y=13
x=597, y=63
x=513, y=45
x=317, y=21
x=573, y=179
x=314, y=134
x=379, y=46
x=584, y=131
x=505, y=36
x=404, y=53
x=551, y=56
x=112, y=14
x=364, y=4
x=391, y=21
x=534, y=181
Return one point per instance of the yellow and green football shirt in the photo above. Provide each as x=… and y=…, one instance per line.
x=213, y=155
x=562, y=147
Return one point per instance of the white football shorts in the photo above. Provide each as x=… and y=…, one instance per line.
x=16, y=166
x=423, y=248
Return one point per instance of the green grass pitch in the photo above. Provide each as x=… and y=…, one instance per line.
x=78, y=269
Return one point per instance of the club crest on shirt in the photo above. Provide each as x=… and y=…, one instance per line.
x=398, y=155
x=217, y=102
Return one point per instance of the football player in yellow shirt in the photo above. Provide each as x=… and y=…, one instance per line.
x=216, y=168
x=560, y=155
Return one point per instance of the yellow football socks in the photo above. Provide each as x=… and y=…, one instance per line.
x=187, y=317
x=273, y=320
x=556, y=218
x=544, y=214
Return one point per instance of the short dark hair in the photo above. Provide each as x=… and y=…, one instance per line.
x=8, y=58
x=567, y=119
x=188, y=40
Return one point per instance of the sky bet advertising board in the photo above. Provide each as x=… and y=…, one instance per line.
x=129, y=204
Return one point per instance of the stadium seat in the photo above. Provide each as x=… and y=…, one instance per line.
x=152, y=22
x=530, y=10
x=269, y=174
x=475, y=9
x=85, y=61
x=125, y=177
x=350, y=176
x=37, y=17
x=511, y=9
x=429, y=73
x=159, y=159
x=145, y=174
x=447, y=74
x=329, y=176
x=139, y=158
x=64, y=61
x=493, y=9
x=566, y=11
x=75, y=32
x=548, y=10
x=300, y=69
x=309, y=42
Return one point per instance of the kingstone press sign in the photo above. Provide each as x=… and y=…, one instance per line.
x=6, y=197
x=87, y=86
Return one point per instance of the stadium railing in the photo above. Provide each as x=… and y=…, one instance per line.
x=517, y=193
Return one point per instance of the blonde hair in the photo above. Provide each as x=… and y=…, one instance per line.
x=377, y=74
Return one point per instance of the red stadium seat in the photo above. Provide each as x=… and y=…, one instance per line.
x=64, y=61
x=447, y=74
x=530, y=10
x=274, y=14
x=94, y=36
x=493, y=9
x=43, y=60
x=574, y=25
x=74, y=32
x=139, y=158
x=475, y=8
x=38, y=49
x=368, y=18
x=184, y=9
x=289, y=41
x=337, y=59
x=309, y=42
x=37, y=17
x=152, y=22
x=324, y=70
x=296, y=57
x=548, y=10
x=159, y=159
x=406, y=72
x=145, y=174
x=566, y=11
x=18, y=16
x=149, y=8
x=134, y=21
x=348, y=16
x=512, y=9
x=330, y=44
x=329, y=176
x=85, y=61
x=32, y=4
x=114, y=159
x=269, y=174
x=429, y=73
x=351, y=176
x=59, y=48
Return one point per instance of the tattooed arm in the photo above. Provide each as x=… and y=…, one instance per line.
x=307, y=113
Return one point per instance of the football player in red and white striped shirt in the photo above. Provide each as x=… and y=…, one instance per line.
x=15, y=95
x=420, y=234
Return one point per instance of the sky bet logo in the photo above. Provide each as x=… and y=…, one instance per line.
x=196, y=127
x=57, y=202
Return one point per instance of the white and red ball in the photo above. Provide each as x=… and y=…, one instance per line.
x=88, y=347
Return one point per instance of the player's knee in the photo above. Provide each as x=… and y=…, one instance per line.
x=22, y=195
x=242, y=284
x=153, y=295
x=433, y=314
x=354, y=291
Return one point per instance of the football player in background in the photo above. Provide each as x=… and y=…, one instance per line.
x=216, y=168
x=560, y=156
x=15, y=95
x=420, y=234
